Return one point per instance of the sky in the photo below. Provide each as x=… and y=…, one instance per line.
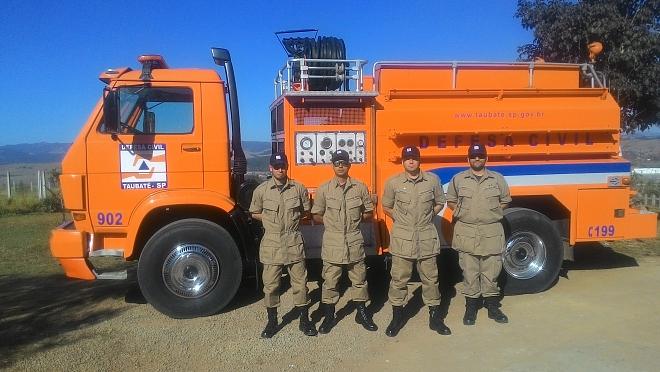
x=52, y=52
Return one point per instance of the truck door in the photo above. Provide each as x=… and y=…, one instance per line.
x=158, y=148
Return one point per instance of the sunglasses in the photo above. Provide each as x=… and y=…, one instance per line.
x=340, y=163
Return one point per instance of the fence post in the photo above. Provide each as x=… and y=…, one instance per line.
x=8, y=185
x=43, y=184
x=38, y=184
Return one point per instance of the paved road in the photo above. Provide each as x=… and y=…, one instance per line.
x=602, y=318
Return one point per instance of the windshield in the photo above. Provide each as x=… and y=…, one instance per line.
x=155, y=110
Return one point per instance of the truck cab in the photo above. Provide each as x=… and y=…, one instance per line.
x=150, y=177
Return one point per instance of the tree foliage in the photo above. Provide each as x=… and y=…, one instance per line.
x=629, y=31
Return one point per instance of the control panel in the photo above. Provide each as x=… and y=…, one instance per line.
x=317, y=148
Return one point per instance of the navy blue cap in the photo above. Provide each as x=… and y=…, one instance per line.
x=477, y=149
x=410, y=152
x=278, y=159
x=340, y=155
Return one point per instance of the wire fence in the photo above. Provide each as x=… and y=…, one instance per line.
x=29, y=190
x=650, y=200
x=40, y=184
x=647, y=187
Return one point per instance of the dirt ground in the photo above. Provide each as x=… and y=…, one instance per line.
x=601, y=315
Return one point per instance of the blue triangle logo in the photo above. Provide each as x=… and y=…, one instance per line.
x=144, y=166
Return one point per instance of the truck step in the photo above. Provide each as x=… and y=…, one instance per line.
x=112, y=275
x=107, y=253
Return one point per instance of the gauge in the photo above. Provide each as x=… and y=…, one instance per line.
x=326, y=143
x=341, y=143
x=360, y=143
x=306, y=143
x=350, y=143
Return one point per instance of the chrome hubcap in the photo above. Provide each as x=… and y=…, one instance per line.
x=191, y=270
x=525, y=255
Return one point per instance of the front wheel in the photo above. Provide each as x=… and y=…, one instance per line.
x=190, y=268
x=533, y=252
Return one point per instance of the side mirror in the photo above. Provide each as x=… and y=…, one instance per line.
x=111, y=110
x=220, y=56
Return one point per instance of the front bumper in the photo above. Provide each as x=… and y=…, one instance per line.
x=69, y=246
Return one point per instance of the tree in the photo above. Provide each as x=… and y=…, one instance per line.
x=629, y=31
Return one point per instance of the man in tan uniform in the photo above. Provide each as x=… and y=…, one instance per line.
x=478, y=196
x=412, y=199
x=279, y=204
x=340, y=204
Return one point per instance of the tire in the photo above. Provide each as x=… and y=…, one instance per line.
x=190, y=268
x=533, y=253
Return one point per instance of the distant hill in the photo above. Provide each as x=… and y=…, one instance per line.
x=642, y=151
x=256, y=148
x=257, y=153
x=28, y=153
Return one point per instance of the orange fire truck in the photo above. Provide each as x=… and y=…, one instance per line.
x=157, y=171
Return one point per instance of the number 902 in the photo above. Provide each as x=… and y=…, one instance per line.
x=112, y=219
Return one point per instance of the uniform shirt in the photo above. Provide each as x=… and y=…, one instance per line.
x=413, y=234
x=478, y=213
x=281, y=209
x=342, y=208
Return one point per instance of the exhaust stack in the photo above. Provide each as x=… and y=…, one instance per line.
x=221, y=57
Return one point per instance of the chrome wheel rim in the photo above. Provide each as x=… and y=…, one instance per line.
x=525, y=255
x=191, y=270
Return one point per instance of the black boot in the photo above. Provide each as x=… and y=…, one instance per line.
x=306, y=325
x=471, y=306
x=329, y=320
x=363, y=317
x=494, y=312
x=397, y=321
x=435, y=321
x=271, y=326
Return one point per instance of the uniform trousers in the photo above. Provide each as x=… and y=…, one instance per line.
x=402, y=271
x=357, y=273
x=272, y=275
x=480, y=274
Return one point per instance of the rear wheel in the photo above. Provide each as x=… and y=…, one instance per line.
x=190, y=268
x=533, y=252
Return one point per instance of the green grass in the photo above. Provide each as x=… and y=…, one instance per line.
x=24, y=247
x=27, y=204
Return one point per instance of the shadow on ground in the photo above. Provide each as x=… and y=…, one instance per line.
x=39, y=311
x=596, y=256
x=378, y=278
